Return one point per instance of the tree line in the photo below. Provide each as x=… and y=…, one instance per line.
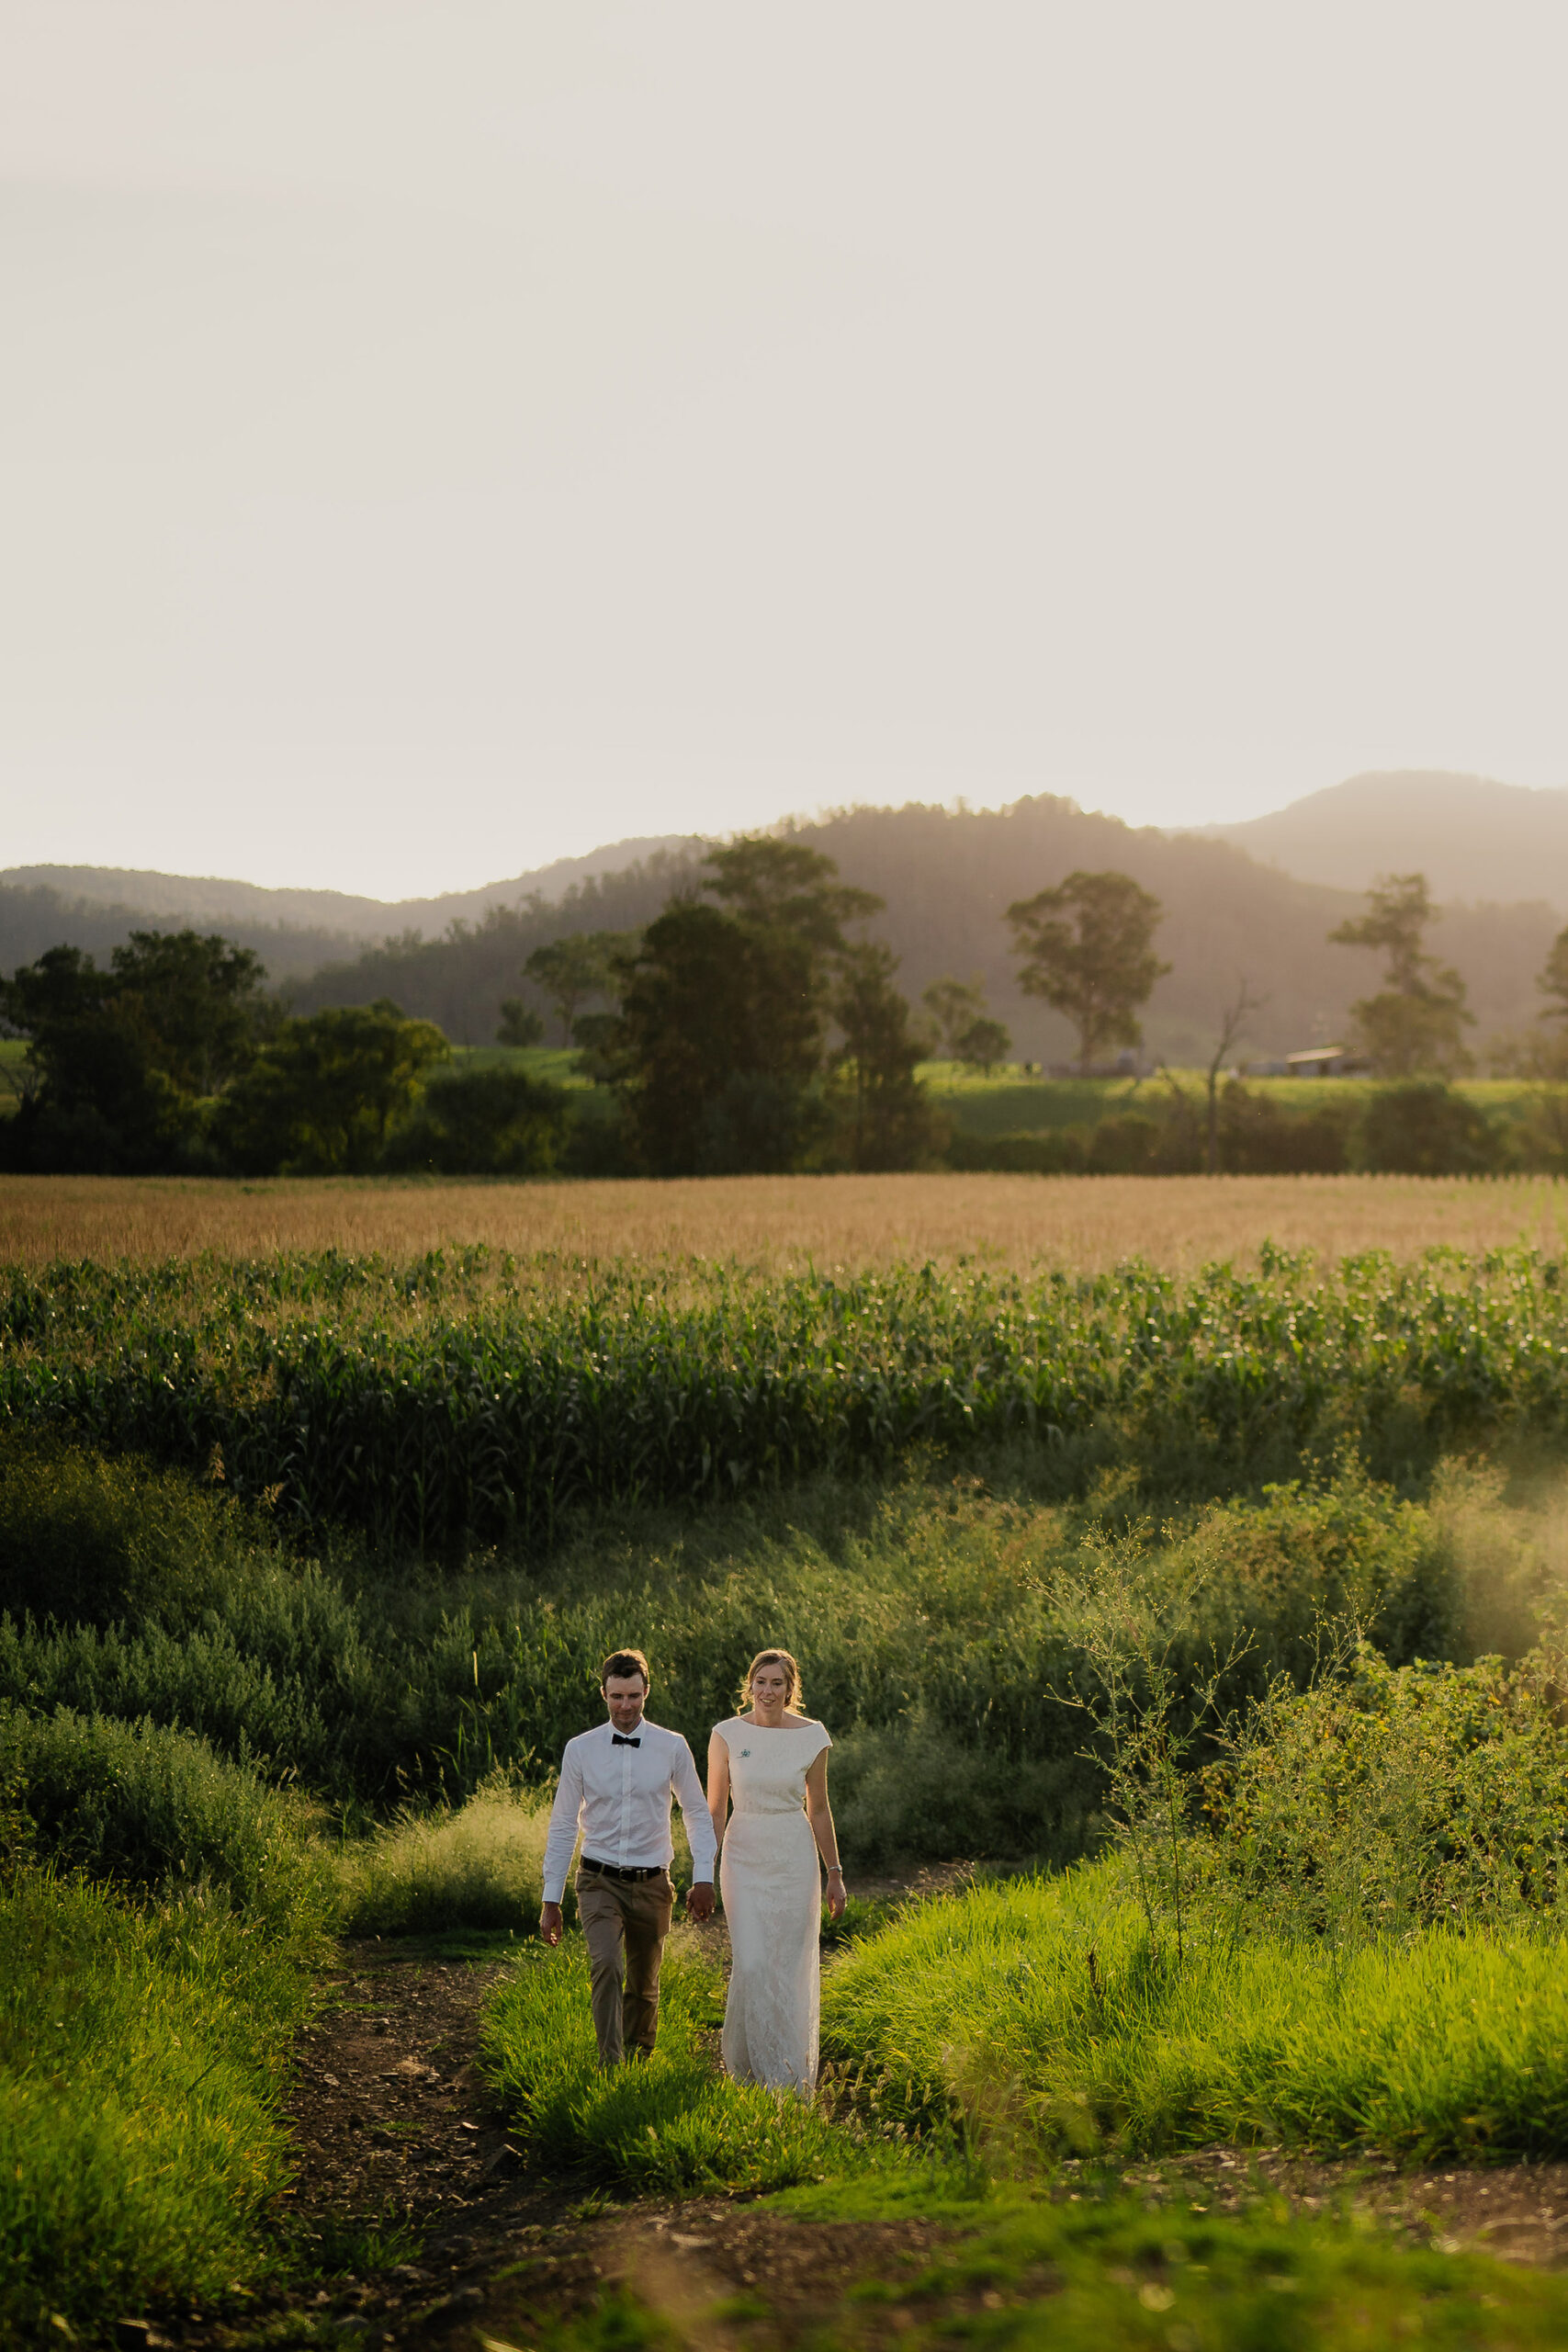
x=752, y=1025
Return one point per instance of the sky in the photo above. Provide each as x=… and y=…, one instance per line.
x=439, y=438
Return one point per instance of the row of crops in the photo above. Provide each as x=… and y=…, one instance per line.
x=469, y=1399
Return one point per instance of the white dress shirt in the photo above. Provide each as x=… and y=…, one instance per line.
x=619, y=1798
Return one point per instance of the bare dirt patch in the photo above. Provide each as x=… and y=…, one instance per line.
x=1518, y=2212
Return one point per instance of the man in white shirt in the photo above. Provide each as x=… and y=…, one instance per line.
x=615, y=1785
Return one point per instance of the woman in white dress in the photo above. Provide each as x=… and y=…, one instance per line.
x=771, y=1765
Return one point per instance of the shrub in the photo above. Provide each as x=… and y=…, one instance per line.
x=86, y=1539
x=1256, y=1137
x=491, y=1121
x=1055, y=1152
x=152, y=1807
x=1383, y=1799
x=1424, y=1129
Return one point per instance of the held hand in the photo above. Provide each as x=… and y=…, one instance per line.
x=549, y=1923
x=699, y=1902
x=836, y=1896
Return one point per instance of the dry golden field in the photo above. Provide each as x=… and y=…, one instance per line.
x=849, y=1221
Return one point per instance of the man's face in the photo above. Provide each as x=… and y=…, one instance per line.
x=624, y=1695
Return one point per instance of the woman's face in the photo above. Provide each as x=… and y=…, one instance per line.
x=770, y=1689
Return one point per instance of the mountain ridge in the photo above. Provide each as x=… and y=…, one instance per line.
x=205, y=898
x=1477, y=840
x=947, y=877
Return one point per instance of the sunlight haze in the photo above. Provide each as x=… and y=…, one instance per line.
x=437, y=441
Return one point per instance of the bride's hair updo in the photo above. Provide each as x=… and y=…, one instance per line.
x=794, y=1696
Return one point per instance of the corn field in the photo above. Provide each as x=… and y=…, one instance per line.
x=457, y=1401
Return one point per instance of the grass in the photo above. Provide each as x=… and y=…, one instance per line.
x=1107, y=2274
x=1035, y=2009
x=674, y=2125
x=479, y=1866
x=1007, y=1102
x=930, y=1616
x=142, y=2061
x=1083, y=2271
x=775, y=1222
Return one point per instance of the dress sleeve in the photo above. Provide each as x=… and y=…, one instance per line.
x=824, y=1740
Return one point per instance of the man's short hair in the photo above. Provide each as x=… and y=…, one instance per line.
x=626, y=1663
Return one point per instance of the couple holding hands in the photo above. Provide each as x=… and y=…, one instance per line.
x=766, y=1805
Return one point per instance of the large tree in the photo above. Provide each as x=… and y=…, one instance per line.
x=1415, y=1023
x=883, y=1116
x=1553, y=980
x=718, y=1038
x=324, y=1094
x=965, y=1029
x=120, y=1062
x=780, y=885
x=1086, y=948
x=718, y=1045
x=569, y=971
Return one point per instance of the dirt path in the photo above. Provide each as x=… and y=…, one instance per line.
x=396, y=2134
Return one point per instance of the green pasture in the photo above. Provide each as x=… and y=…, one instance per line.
x=1008, y=1102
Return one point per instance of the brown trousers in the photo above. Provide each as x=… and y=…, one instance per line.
x=625, y=1922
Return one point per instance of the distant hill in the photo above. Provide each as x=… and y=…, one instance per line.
x=33, y=918
x=332, y=914
x=948, y=878
x=459, y=979
x=1473, y=838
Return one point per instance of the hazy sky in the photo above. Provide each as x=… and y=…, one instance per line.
x=438, y=438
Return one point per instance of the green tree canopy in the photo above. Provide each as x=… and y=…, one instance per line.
x=569, y=971
x=1086, y=948
x=1416, y=1022
x=120, y=1061
x=884, y=1119
x=718, y=1038
x=1553, y=980
x=780, y=885
x=324, y=1095
x=717, y=1052
x=519, y=1023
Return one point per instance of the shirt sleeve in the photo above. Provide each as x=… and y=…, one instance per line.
x=694, y=1813
x=564, y=1816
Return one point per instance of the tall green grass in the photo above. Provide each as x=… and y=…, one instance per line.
x=1037, y=2010
x=933, y=1617
x=672, y=2124
x=142, y=2059
x=150, y=1807
x=461, y=1401
x=476, y=1865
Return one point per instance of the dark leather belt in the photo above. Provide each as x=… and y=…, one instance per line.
x=612, y=1869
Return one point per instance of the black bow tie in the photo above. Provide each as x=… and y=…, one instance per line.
x=617, y=1741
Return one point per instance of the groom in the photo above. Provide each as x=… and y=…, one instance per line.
x=616, y=1786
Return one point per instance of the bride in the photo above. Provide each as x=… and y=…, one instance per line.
x=773, y=1765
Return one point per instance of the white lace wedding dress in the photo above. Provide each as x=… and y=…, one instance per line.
x=772, y=1901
